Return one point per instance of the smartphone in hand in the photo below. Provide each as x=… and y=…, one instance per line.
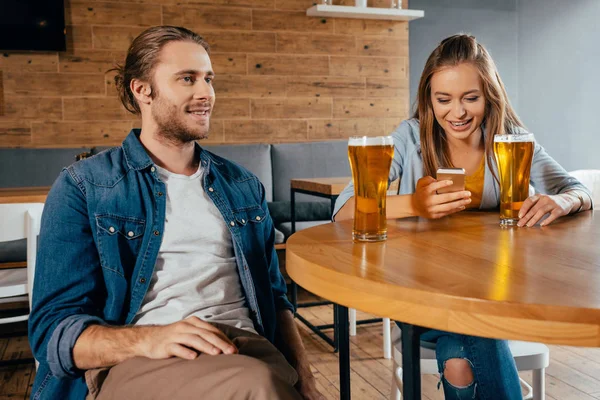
x=456, y=175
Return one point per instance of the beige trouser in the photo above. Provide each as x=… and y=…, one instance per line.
x=258, y=371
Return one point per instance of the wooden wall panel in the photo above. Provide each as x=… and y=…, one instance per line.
x=84, y=13
x=206, y=17
x=280, y=76
x=14, y=133
x=296, y=43
x=29, y=62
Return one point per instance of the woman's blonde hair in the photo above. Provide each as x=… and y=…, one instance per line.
x=499, y=114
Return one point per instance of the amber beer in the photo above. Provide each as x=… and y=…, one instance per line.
x=514, y=154
x=370, y=160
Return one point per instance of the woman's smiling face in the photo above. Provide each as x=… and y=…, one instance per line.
x=458, y=101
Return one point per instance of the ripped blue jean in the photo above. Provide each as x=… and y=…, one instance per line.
x=494, y=370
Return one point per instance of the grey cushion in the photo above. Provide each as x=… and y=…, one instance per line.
x=34, y=167
x=305, y=211
x=279, y=237
x=307, y=160
x=255, y=157
x=286, y=227
x=13, y=251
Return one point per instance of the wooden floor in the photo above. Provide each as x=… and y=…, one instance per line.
x=574, y=373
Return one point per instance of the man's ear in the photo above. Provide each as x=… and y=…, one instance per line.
x=141, y=90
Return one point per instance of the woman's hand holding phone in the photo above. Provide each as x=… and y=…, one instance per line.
x=429, y=204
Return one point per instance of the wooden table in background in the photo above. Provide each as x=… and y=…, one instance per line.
x=463, y=274
x=24, y=195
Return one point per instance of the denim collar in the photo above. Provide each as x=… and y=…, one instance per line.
x=138, y=159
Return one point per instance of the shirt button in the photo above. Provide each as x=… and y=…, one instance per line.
x=130, y=234
x=156, y=233
x=111, y=229
x=243, y=221
x=232, y=223
x=160, y=194
x=257, y=218
x=142, y=280
x=210, y=189
x=152, y=169
x=246, y=267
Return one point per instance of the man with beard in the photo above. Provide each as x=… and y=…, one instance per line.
x=157, y=276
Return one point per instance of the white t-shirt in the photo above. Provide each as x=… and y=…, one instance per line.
x=196, y=272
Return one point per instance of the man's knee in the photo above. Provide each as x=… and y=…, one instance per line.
x=458, y=372
x=260, y=381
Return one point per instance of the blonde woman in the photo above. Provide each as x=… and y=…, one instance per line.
x=461, y=105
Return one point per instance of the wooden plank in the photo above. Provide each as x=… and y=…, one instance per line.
x=241, y=3
x=250, y=86
x=241, y=42
x=369, y=108
x=231, y=108
x=325, y=86
x=228, y=63
x=53, y=84
x=292, y=108
x=328, y=186
x=215, y=133
x=202, y=17
x=14, y=380
x=382, y=47
x=387, y=87
x=369, y=66
x=94, y=108
x=289, y=21
x=265, y=131
x=9, y=265
x=306, y=43
x=24, y=195
x=79, y=37
x=294, y=5
x=114, y=37
x=392, y=123
x=277, y=64
x=332, y=129
x=29, y=62
x=49, y=108
x=361, y=27
x=84, y=134
x=14, y=133
x=121, y=13
x=280, y=246
x=90, y=61
x=1, y=94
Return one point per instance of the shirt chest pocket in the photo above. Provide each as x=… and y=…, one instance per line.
x=251, y=216
x=119, y=242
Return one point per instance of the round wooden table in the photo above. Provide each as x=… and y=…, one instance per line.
x=463, y=274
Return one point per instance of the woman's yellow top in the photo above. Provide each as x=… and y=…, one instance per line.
x=474, y=184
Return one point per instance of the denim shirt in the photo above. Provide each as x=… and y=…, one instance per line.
x=101, y=232
x=547, y=176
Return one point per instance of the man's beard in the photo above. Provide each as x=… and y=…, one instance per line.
x=171, y=127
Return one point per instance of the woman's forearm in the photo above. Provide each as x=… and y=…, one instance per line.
x=397, y=206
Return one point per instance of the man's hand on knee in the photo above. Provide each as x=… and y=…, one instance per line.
x=184, y=339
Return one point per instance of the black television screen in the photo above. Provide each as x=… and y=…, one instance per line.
x=32, y=25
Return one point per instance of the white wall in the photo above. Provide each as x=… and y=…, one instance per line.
x=559, y=77
x=492, y=22
x=548, y=55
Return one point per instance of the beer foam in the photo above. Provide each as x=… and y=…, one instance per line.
x=514, y=138
x=370, y=141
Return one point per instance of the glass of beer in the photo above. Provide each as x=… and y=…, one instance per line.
x=514, y=153
x=370, y=161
